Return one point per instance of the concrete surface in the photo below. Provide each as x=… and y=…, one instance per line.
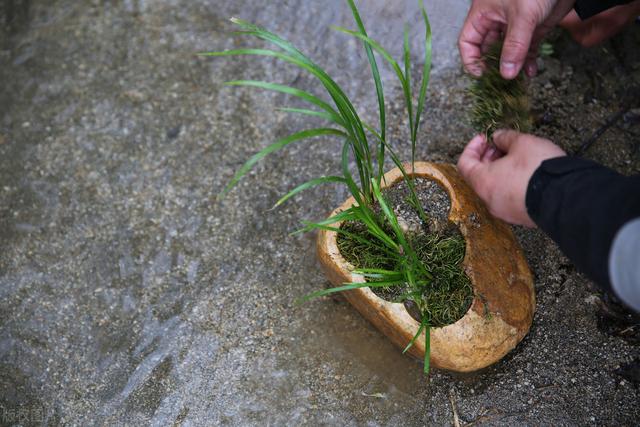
x=130, y=296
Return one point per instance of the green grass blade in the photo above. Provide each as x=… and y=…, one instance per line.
x=426, y=73
x=408, y=91
x=346, y=173
x=311, y=133
x=365, y=216
x=389, y=214
x=385, y=275
x=347, y=215
x=415, y=338
x=424, y=326
x=427, y=348
x=394, y=65
x=378, y=48
x=290, y=91
x=413, y=196
x=379, y=89
x=255, y=30
x=309, y=184
x=362, y=210
x=347, y=287
x=413, y=265
x=322, y=114
x=312, y=225
x=344, y=105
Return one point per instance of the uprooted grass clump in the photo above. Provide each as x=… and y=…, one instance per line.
x=499, y=103
x=441, y=301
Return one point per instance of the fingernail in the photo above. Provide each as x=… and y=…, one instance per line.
x=508, y=69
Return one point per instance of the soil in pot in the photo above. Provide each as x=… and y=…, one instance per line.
x=437, y=242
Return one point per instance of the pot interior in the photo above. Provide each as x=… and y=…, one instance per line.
x=437, y=242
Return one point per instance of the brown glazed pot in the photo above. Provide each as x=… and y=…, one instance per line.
x=504, y=300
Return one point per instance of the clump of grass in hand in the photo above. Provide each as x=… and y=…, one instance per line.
x=499, y=103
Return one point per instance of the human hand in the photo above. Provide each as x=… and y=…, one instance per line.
x=500, y=175
x=523, y=22
x=602, y=26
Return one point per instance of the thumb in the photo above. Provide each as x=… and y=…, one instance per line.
x=504, y=139
x=517, y=42
x=470, y=162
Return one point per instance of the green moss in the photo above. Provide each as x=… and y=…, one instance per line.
x=499, y=103
x=443, y=300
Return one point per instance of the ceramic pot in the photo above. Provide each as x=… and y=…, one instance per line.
x=504, y=300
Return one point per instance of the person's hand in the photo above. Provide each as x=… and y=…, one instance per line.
x=602, y=26
x=523, y=22
x=500, y=175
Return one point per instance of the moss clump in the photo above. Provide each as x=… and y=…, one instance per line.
x=499, y=103
x=445, y=299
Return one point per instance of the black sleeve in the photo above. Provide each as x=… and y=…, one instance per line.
x=581, y=205
x=588, y=8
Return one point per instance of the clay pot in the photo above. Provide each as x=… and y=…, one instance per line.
x=504, y=300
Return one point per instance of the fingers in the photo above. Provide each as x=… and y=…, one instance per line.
x=469, y=45
x=473, y=153
x=476, y=30
x=470, y=163
x=492, y=37
x=491, y=154
x=516, y=45
x=530, y=63
x=505, y=139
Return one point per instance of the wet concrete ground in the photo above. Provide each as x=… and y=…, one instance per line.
x=129, y=295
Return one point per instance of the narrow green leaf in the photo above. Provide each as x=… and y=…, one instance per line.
x=379, y=89
x=424, y=326
x=276, y=146
x=389, y=252
x=367, y=271
x=389, y=214
x=346, y=215
x=409, y=180
x=394, y=65
x=365, y=216
x=290, y=91
x=427, y=349
x=313, y=113
x=255, y=30
x=415, y=337
x=353, y=187
x=408, y=91
x=378, y=48
x=347, y=287
x=380, y=274
x=309, y=184
x=425, y=75
x=344, y=105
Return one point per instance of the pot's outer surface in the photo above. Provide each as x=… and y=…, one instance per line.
x=504, y=299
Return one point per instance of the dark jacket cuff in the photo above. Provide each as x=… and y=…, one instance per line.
x=588, y=8
x=573, y=200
